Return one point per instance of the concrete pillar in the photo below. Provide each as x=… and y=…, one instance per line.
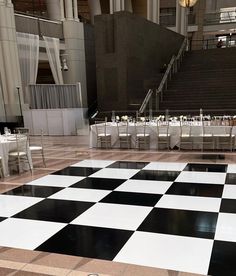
x=118, y=5
x=95, y=8
x=62, y=8
x=54, y=9
x=69, y=10
x=156, y=11
x=111, y=7
x=149, y=9
x=75, y=55
x=75, y=10
x=153, y=11
x=181, y=19
x=9, y=61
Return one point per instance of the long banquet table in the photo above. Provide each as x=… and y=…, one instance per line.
x=7, y=144
x=174, y=131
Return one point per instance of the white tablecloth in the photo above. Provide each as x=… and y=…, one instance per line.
x=5, y=147
x=174, y=131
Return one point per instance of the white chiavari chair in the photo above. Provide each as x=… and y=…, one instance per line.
x=103, y=138
x=163, y=135
x=123, y=134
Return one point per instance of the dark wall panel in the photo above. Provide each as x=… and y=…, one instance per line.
x=130, y=51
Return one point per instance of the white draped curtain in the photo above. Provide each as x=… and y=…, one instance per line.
x=28, y=49
x=49, y=96
x=53, y=52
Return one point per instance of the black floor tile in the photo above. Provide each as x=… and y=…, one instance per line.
x=55, y=210
x=194, y=189
x=132, y=198
x=230, y=178
x=180, y=222
x=34, y=191
x=228, y=206
x=98, y=183
x=206, y=167
x=2, y=218
x=77, y=171
x=86, y=241
x=128, y=165
x=156, y=175
x=223, y=259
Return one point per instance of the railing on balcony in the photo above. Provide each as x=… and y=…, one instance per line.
x=205, y=44
x=38, y=26
x=220, y=17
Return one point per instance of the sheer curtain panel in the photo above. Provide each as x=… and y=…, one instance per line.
x=28, y=48
x=53, y=52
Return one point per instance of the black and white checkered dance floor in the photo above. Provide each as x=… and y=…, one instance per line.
x=176, y=216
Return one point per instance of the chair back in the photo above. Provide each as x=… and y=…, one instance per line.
x=101, y=127
x=123, y=128
x=22, y=130
x=141, y=128
x=22, y=143
x=162, y=128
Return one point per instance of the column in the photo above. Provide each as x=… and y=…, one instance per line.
x=156, y=11
x=62, y=9
x=95, y=8
x=149, y=9
x=153, y=11
x=9, y=61
x=117, y=5
x=181, y=19
x=75, y=55
x=54, y=9
x=75, y=10
x=69, y=10
x=111, y=6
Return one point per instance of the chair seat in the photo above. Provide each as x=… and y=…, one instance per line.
x=143, y=135
x=185, y=136
x=16, y=153
x=222, y=135
x=104, y=135
x=164, y=135
x=124, y=135
x=34, y=148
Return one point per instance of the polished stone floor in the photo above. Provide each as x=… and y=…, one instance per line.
x=119, y=213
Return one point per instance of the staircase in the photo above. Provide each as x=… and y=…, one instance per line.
x=206, y=79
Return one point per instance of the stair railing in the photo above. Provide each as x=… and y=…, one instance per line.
x=172, y=68
x=146, y=101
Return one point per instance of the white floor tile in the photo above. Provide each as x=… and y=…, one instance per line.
x=165, y=166
x=142, y=186
x=167, y=252
x=113, y=216
x=189, y=203
x=226, y=227
x=231, y=168
x=11, y=205
x=115, y=173
x=229, y=191
x=201, y=177
x=79, y=194
x=93, y=163
x=56, y=180
x=26, y=234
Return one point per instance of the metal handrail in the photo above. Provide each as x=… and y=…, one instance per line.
x=172, y=68
x=146, y=100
